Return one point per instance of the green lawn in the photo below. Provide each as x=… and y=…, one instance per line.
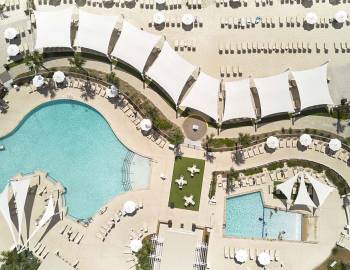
x=194, y=184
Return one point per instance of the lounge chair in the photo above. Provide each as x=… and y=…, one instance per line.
x=232, y=253
x=251, y=254
x=78, y=239
x=226, y=253
x=277, y=257
x=63, y=229
x=100, y=236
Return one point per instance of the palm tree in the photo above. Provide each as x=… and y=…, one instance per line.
x=35, y=61
x=12, y=260
x=208, y=141
x=113, y=79
x=77, y=62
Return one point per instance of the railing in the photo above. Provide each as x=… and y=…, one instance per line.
x=126, y=171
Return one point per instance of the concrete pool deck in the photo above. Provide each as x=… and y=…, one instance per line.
x=155, y=201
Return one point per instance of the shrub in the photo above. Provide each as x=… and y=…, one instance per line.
x=212, y=188
x=143, y=261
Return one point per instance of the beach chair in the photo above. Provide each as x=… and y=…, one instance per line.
x=251, y=254
x=232, y=253
x=78, y=239
x=226, y=253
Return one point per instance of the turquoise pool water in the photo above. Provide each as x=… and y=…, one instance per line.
x=247, y=217
x=75, y=145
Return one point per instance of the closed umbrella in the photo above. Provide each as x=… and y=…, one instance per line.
x=311, y=18
x=10, y=33
x=264, y=258
x=241, y=255
x=58, y=76
x=12, y=50
x=187, y=19
x=135, y=245
x=334, y=144
x=341, y=16
x=305, y=140
x=129, y=207
x=146, y=125
x=38, y=80
x=272, y=142
x=158, y=18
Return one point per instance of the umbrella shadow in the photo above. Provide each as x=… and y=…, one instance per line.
x=334, y=2
x=159, y=27
x=337, y=25
x=237, y=157
x=308, y=27
x=187, y=27
x=307, y=3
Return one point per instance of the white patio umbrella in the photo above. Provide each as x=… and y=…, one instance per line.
x=160, y=2
x=135, y=245
x=58, y=76
x=311, y=18
x=264, y=258
x=159, y=18
x=187, y=19
x=334, y=144
x=10, y=33
x=272, y=142
x=241, y=255
x=146, y=125
x=305, y=140
x=112, y=92
x=129, y=207
x=38, y=80
x=341, y=16
x=12, y=50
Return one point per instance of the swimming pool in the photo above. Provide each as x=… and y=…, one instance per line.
x=247, y=217
x=75, y=145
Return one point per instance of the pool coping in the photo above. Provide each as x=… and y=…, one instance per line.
x=267, y=206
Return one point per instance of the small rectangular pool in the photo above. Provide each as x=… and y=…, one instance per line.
x=246, y=217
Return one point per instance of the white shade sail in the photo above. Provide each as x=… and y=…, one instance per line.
x=95, y=31
x=203, y=96
x=134, y=46
x=58, y=76
x=313, y=87
x=303, y=197
x=10, y=33
x=12, y=50
x=311, y=18
x=238, y=101
x=274, y=94
x=53, y=28
x=322, y=190
x=5, y=211
x=20, y=190
x=287, y=186
x=135, y=245
x=129, y=207
x=171, y=72
x=334, y=144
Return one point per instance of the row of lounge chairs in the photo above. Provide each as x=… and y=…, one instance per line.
x=176, y=21
x=138, y=234
x=40, y=250
x=74, y=265
x=12, y=5
x=230, y=71
x=72, y=236
x=229, y=253
x=183, y=45
x=226, y=3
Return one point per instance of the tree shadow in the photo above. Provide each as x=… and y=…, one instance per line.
x=87, y=92
x=238, y=157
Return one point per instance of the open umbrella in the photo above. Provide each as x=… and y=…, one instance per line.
x=159, y=18
x=305, y=140
x=58, y=76
x=264, y=258
x=241, y=255
x=129, y=207
x=187, y=19
x=334, y=144
x=10, y=33
x=112, y=92
x=38, y=81
x=272, y=142
x=146, y=125
x=135, y=245
x=341, y=16
x=311, y=18
x=12, y=50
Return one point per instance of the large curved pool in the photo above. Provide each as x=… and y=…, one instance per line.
x=76, y=146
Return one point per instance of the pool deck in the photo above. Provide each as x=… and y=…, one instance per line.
x=92, y=253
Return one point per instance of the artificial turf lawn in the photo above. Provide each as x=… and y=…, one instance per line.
x=194, y=184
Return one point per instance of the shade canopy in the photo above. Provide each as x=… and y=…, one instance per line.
x=135, y=245
x=58, y=76
x=20, y=191
x=322, y=191
x=146, y=125
x=238, y=101
x=53, y=28
x=274, y=94
x=341, y=16
x=5, y=211
x=203, y=96
x=10, y=33
x=134, y=46
x=111, y=91
x=171, y=72
x=305, y=140
x=12, y=50
x=241, y=255
x=129, y=207
x=303, y=197
x=264, y=258
x=272, y=142
x=311, y=18
x=334, y=144
x=313, y=87
x=95, y=31
x=287, y=186
x=38, y=81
